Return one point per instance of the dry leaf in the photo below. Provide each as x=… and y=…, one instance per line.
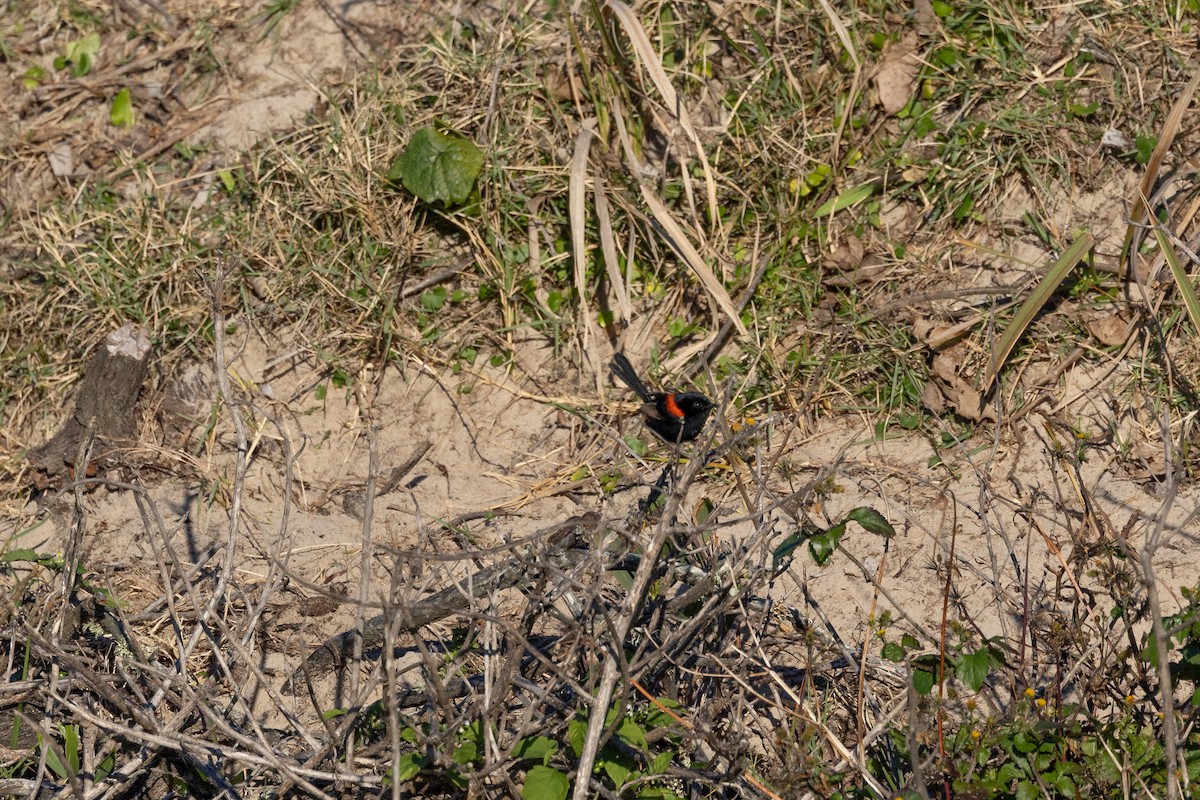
x=62, y=160
x=847, y=256
x=1111, y=330
x=963, y=398
x=897, y=78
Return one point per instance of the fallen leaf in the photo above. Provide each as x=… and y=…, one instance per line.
x=848, y=255
x=963, y=398
x=897, y=78
x=62, y=160
x=1112, y=330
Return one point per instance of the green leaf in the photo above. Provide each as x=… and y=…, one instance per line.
x=617, y=767
x=658, y=717
x=872, y=520
x=893, y=652
x=1145, y=149
x=633, y=733
x=1023, y=744
x=544, y=783
x=79, y=55
x=121, y=114
x=106, y=767
x=33, y=77
x=434, y=299
x=23, y=554
x=71, y=745
x=577, y=734
x=438, y=167
x=787, y=547
x=1028, y=790
x=972, y=668
x=822, y=546
x=850, y=197
x=636, y=446
x=538, y=748
x=963, y=209
x=470, y=740
x=922, y=681
x=660, y=763
x=410, y=764
x=466, y=753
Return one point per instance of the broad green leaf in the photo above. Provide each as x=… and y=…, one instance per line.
x=822, y=546
x=660, y=763
x=972, y=668
x=872, y=520
x=633, y=733
x=617, y=767
x=434, y=299
x=121, y=114
x=922, y=681
x=544, y=783
x=538, y=748
x=438, y=167
x=410, y=765
x=466, y=753
x=636, y=446
x=577, y=734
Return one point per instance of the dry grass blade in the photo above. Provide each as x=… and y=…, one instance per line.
x=675, y=235
x=1165, y=140
x=1030, y=308
x=645, y=50
x=608, y=247
x=576, y=194
x=687, y=251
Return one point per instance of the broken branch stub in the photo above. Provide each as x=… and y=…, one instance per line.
x=106, y=406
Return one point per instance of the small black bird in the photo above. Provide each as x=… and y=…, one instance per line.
x=674, y=417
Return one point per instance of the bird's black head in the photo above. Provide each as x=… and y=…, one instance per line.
x=693, y=404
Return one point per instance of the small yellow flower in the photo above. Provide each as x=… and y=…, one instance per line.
x=1030, y=693
x=1041, y=702
x=975, y=734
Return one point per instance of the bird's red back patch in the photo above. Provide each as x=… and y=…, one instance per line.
x=673, y=408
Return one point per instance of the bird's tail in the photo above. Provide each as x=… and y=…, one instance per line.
x=624, y=370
